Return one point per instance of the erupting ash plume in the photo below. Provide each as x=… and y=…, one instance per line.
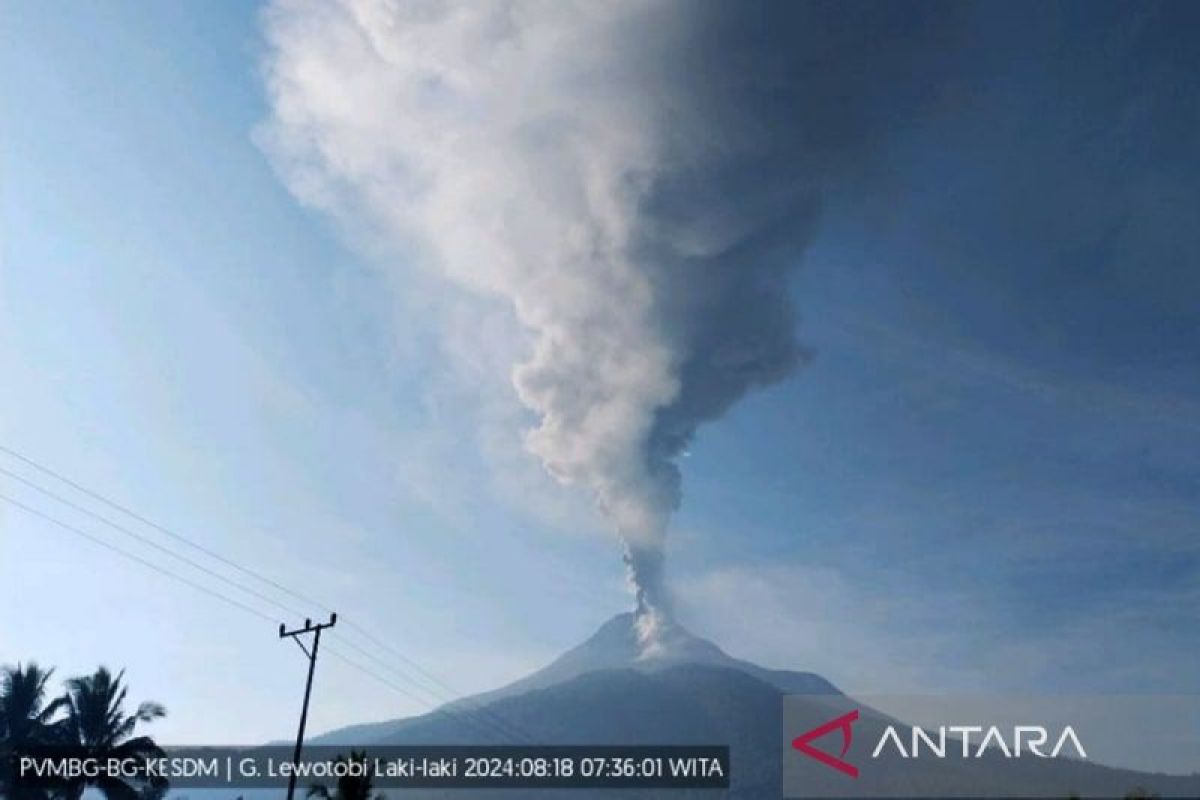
x=636, y=178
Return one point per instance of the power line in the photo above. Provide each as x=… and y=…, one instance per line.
x=483, y=713
x=150, y=542
x=442, y=710
x=367, y=671
x=160, y=528
x=224, y=598
x=415, y=666
x=97, y=540
x=456, y=696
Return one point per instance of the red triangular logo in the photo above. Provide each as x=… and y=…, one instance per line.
x=803, y=743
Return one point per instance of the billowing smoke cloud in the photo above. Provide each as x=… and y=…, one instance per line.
x=638, y=179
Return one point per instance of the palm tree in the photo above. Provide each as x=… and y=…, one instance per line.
x=97, y=722
x=26, y=720
x=350, y=787
x=25, y=716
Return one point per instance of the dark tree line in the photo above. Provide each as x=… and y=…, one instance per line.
x=88, y=716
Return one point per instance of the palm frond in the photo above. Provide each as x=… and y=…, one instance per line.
x=25, y=717
x=150, y=711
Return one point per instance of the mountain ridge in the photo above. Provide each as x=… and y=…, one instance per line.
x=614, y=646
x=612, y=689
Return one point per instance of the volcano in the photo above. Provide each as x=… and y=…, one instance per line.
x=611, y=689
x=616, y=646
x=611, y=659
x=683, y=689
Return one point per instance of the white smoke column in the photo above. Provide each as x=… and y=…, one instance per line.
x=637, y=179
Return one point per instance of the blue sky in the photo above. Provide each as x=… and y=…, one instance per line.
x=989, y=474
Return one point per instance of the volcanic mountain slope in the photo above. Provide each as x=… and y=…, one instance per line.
x=614, y=646
x=686, y=690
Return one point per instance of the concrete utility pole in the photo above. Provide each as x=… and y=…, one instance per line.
x=295, y=635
